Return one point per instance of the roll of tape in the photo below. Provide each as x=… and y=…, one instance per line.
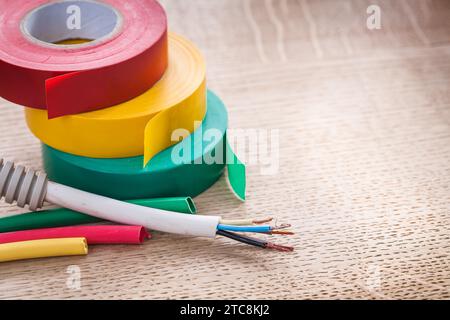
x=127, y=56
x=200, y=166
x=141, y=126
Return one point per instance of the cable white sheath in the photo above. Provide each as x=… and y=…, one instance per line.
x=125, y=213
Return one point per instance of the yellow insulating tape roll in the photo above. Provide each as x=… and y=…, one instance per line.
x=141, y=126
x=42, y=249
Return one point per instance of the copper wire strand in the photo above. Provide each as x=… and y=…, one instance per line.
x=279, y=247
x=280, y=232
x=263, y=221
x=255, y=242
x=282, y=226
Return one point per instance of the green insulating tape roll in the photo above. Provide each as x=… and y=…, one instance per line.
x=64, y=217
x=201, y=159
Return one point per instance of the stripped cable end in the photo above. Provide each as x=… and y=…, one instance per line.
x=254, y=241
x=282, y=226
x=283, y=233
x=278, y=247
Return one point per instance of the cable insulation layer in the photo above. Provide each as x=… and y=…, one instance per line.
x=256, y=229
x=130, y=214
x=65, y=217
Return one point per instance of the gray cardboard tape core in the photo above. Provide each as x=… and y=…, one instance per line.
x=72, y=19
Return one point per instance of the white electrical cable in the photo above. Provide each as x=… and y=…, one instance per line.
x=28, y=187
x=125, y=213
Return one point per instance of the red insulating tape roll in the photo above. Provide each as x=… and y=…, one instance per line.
x=127, y=57
x=93, y=234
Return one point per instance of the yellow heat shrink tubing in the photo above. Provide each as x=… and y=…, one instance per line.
x=141, y=126
x=42, y=249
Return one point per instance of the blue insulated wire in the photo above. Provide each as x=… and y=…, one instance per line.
x=256, y=229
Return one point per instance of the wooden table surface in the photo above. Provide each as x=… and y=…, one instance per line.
x=364, y=153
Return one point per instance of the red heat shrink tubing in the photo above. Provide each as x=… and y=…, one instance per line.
x=93, y=234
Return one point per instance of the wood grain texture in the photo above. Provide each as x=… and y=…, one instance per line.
x=364, y=122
